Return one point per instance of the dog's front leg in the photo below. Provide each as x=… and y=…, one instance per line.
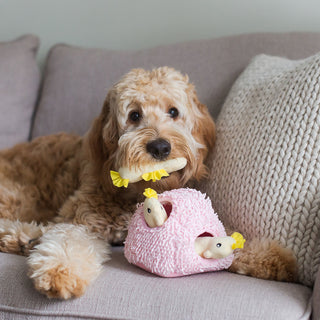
x=67, y=259
x=100, y=213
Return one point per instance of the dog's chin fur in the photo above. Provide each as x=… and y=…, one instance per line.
x=64, y=179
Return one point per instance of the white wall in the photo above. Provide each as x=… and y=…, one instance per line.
x=135, y=24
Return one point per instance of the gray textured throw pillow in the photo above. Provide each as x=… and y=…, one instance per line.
x=19, y=83
x=265, y=168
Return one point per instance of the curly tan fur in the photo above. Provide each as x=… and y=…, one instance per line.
x=63, y=180
x=265, y=259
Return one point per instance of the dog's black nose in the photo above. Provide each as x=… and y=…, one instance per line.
x=159, y=148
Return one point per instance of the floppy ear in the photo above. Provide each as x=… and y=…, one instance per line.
x=204, y=132
x=103, y=135
x=204, y=129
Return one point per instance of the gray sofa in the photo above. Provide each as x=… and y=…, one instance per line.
x=74, y=84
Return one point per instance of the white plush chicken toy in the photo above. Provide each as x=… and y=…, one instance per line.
x=154, y=212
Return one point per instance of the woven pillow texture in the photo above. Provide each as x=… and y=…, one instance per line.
x=265, y=168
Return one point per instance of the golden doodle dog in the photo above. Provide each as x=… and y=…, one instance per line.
x=57, y=201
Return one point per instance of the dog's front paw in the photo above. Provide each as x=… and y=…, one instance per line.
x=18, y=237
x=265, y=259
x=58, y=282
x=117, y=238
x=67, y=259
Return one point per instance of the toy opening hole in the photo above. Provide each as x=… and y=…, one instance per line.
x=168, y=207
x=205, y=234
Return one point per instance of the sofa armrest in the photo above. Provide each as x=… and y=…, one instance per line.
x=316, y=298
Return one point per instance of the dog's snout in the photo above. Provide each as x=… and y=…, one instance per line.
x=159, y=149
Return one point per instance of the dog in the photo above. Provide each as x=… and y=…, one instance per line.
x=58, y=205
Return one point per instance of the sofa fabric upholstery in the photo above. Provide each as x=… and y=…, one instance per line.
x=124, y=291
x=76, y=80
x=19, y=83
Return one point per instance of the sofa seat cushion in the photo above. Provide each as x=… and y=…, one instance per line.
x=19, y=83
x=76, y=80
x=124, y=291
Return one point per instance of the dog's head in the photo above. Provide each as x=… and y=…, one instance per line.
x=150, y=116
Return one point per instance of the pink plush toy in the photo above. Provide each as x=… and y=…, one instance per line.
x=178, y=233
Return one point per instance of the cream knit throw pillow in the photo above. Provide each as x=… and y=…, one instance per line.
x=265, y=168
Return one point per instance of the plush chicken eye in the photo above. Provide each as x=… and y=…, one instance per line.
x=149, y=210
x=173, y=112
x=135, y=116
x=218, y=245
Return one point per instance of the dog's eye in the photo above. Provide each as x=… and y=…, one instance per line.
x=135, y=116
x=173, y=112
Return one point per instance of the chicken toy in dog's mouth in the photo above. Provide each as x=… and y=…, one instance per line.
x=152, y=172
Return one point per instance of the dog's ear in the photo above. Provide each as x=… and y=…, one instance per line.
x=103, y=135
x=204, y=132
x=204, y=128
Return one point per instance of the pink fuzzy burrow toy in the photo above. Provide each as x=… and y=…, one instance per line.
x=178, y=233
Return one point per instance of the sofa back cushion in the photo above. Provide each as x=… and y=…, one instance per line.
x=19, y=83
x=77, y=79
